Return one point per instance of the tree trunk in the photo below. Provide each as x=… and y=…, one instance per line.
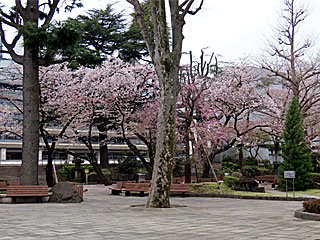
x=99, y=172
x=50, y=172
x=165, y=145
x=187, y=168
x=241, y=156
x=104, y=158
x=31, y=90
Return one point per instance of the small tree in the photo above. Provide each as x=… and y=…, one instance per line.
x=295, y=152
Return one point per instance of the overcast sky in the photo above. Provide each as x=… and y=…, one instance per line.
x=232, y=29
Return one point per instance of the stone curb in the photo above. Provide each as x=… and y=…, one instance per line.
x=306, y=215
x=249, y=197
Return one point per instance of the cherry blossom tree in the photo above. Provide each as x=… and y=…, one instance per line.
x=73, y=102
x=195, y=81
x=230, y=110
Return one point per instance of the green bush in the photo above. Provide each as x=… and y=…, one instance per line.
x=66, y=172
x=312, y=206
x=231, y=181
x=263, y=171
x=249, y=171
x=315, y=180
x=128, y=165
x=250, y=161
x=229, y=167
x=315, y=177
x=236, y=174
x=316, y=161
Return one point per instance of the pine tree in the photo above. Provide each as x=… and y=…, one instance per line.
x=295, y=152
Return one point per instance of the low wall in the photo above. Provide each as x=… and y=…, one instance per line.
x=12, y=173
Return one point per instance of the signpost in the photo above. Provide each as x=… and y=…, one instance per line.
x=289, y=174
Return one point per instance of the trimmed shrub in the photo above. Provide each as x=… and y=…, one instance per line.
x=312, y=206
x=229, y=167
x=128, y=165
x=250, y=161
x=231, y=181
x=246, y=184
x=249, y=171
x=236, y=174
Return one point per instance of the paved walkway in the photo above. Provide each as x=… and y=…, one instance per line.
x=273, y=191
x=102, y=216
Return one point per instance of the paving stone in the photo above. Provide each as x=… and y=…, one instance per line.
x=102, y=216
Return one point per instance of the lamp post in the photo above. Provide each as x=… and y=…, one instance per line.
x=86, y=171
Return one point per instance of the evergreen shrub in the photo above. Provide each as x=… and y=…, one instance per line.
x=312, y=206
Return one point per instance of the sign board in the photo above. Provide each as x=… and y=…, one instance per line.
x=289, y=174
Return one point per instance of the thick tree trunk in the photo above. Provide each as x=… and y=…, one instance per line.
x=50, y=172
x=165, y=145
x=104, y=158
x=31, y=91
x=99, y=172
x=187, y=168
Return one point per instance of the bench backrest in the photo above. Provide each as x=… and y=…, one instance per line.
x=266, y=178
x=137, y=186
x=124, y=183
x=26, y=191
x=180, y=187
x=3, y=185
x=14, y=183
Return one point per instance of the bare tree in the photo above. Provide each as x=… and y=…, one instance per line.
x=165, y=49
x=290, y=59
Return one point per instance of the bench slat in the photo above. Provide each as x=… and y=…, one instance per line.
x=28, y=191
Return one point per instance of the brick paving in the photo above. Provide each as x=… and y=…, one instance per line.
x=103, y=216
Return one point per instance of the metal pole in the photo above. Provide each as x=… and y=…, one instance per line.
x=286, y=188
x=293, y=187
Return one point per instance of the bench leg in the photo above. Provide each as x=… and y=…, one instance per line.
x=183, y=194
x=115, y=192
x=127, y=193
x=13, y=199
x=141, y=194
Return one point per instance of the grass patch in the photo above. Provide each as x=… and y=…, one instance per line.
x=314, y=192
x=212, y=188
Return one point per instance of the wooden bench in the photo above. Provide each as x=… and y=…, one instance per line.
x=38, y=191
x=176, y=180
x=181, y=188
x=212, y=179
x=3, y=186
x=14, y=183
x=79, y=189
x=120, y=186
x=136, y=187
x=267, y=178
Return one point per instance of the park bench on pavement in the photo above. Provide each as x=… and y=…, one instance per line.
x=266, y=178
x=20, y=191
x=119, y=187
x=181, y=188
x=136, y=187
